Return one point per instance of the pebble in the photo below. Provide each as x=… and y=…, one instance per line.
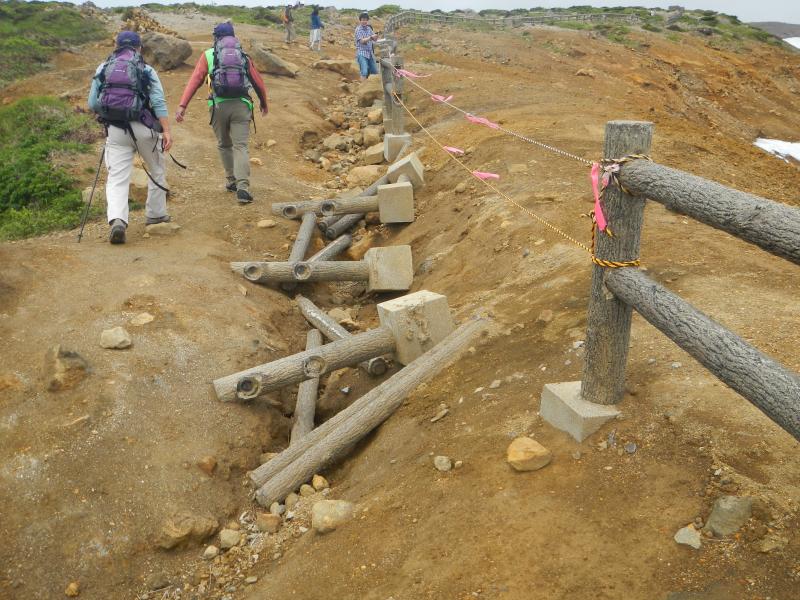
x=440, y=415
x=277, y=509
x=141, y=319
x=115, y=338
x=345, y=390
x=228, y=538
x=271, y=143
x=306, y=490
x=630, y=447
x=495, y=384
x=256, y=161
x=461, y=188
x=327, y=515
x=526, y=454
x=268, y=522
x=676, y=365
x=250, y=580
x=319, y=483
x=689, y=536
x=211, y=552
x=291, y=500
x=442, y=463
x=266, y=224
x=302, y=529
x=458, y=464
x=73, y=589
x=207, y=464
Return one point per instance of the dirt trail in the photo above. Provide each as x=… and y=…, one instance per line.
x=82, y=498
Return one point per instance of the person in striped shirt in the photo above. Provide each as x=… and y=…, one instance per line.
x=365, y=54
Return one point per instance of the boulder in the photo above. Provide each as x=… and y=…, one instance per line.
x=270, y=63
x=374, y=155
x=337, y=142
x=164, y=52
x=372, y=135
x=327, y=515
x=369, y=91
x=375, y=116
x=184, y=528
x=728, y=515
x=344, y=67
x=363, y=176
x=63, y=369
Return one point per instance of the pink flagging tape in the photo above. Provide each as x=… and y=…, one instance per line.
x=481, y=121
x=599, y=217
x=438, y=98
x=482, y=175
x=453, y=150
x=404, y=73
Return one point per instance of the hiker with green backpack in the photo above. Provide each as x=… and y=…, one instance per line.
x=231, y=76
x=128, y=99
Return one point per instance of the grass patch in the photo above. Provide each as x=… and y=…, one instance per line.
x=31, y=32
x=37, y=195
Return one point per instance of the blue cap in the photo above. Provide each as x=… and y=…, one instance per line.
x=223, y=30
x=128, y=38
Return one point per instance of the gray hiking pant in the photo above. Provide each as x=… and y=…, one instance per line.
x=231, y=123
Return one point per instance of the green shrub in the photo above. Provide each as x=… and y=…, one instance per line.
x=35, y=194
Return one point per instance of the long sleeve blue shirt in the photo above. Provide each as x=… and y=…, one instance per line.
x=316, y=22
x=156, y=92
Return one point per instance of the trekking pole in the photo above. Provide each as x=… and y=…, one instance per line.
x=91, y=194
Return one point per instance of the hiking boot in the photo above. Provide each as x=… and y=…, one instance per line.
x=244, y=197
x=117, y=234
x=231, y=186
x=154, y=220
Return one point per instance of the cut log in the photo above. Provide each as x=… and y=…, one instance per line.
x=253, y=382
x=306, y=396
x=346, y=223
x=327, y=443
x=349, y=206
x=326, y=222
x=301, y=244
x=294, y=210
x=278, y=272
x=333, y=249
x=333, y=331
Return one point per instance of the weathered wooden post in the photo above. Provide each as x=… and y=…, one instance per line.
x=580, y=408
x=305, y=407
x=410, y=325
x=301, y=244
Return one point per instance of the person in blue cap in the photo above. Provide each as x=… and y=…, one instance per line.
x=128, y=98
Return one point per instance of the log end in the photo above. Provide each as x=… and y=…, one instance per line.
x=252, y=271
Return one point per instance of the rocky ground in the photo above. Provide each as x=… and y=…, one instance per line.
x=123, y=476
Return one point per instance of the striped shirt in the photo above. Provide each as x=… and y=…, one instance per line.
x=364, y=31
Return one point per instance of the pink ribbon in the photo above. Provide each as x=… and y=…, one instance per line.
x=599, y=217
x=404, y=73
x=482, y=121
x=484, y=176
x=438, y=98
x=453, y=150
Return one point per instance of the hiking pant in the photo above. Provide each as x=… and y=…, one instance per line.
x=315, y=39
x=289, y=32
x=231, y=122
x=120, y=150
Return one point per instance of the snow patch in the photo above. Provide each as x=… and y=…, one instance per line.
x=779, y=148
x=794, y=41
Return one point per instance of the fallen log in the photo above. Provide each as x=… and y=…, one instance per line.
x=306, y=396
x=327, y=443
x=333, y=249
x=344, y=224
x=301, y=244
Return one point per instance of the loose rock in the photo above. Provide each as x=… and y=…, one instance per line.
x=526, y=454
x=73, y=589
x=207, y=464
x=164, y=52
x=142, y=319
x=327, y=515
x=729, y=514
x=211, y=552
x=228, y=538
x=162, y=228
x=268, y=522
x=277, y=509
x=291, y=501
x=319, y=483
x=461, y=188
x=442, y=463
x=266, y=224
x=689, y=536
x=306, y=490
x=115, y=338
x=185, y=527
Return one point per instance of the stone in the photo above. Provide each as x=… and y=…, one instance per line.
x=689, y=536
x=369, y=91
x=345, y=67
x=63, y=369
x=250, y=580
x=418, y=321
x=495, y=384
x=337, y=141
x=337, y=118
x=442, y=463
x=729, y=514
x=162, y=228
x=365, y=175
x=277, y=509
x=254, y=160
x=545, y=316
x=185, y=527
x=371, y=135
x=164, y=52
x=306, y=490
x=411, y=167
x=319, y=483
x=374, y=154
x=391, y=269
x=393, y=143
x=266, y=224
x=461, y=188
x=563, y=407
x=291, y=501
x=142, y=319
x=115, y=338
x=211, y=552
x=207, y=464
x=268, y=522
x=771, y=543
x=228, y=538
x=396, y=202
x=375, y=116
x=73, y=589
x=270, y=63
x=327, y=515
x=526, y=454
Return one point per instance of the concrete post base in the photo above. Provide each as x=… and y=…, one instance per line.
x=563, y=407
x=393, y=143
x=418, y=322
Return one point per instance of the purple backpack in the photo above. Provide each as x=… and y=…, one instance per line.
x=229, y=72
x=123, y=82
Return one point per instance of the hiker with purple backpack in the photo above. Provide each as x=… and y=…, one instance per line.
x=127, y=96
x=231, y=76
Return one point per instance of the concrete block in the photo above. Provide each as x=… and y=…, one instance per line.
x=392, y=142
x=411, y=167
x=390, y=269
x=563, y=407
x=419, y=321
x=396, y=202
x=373, y=155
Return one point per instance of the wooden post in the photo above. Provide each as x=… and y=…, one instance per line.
x=329, y=441
x=305, y=406
x=301, y=244
x=398, y=116
x=609, y=319
x=282, y=272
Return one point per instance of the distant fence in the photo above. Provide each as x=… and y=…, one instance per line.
x=418, y=17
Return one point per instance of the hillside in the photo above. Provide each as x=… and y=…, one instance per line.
x=781, y=30
x=90, y=475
